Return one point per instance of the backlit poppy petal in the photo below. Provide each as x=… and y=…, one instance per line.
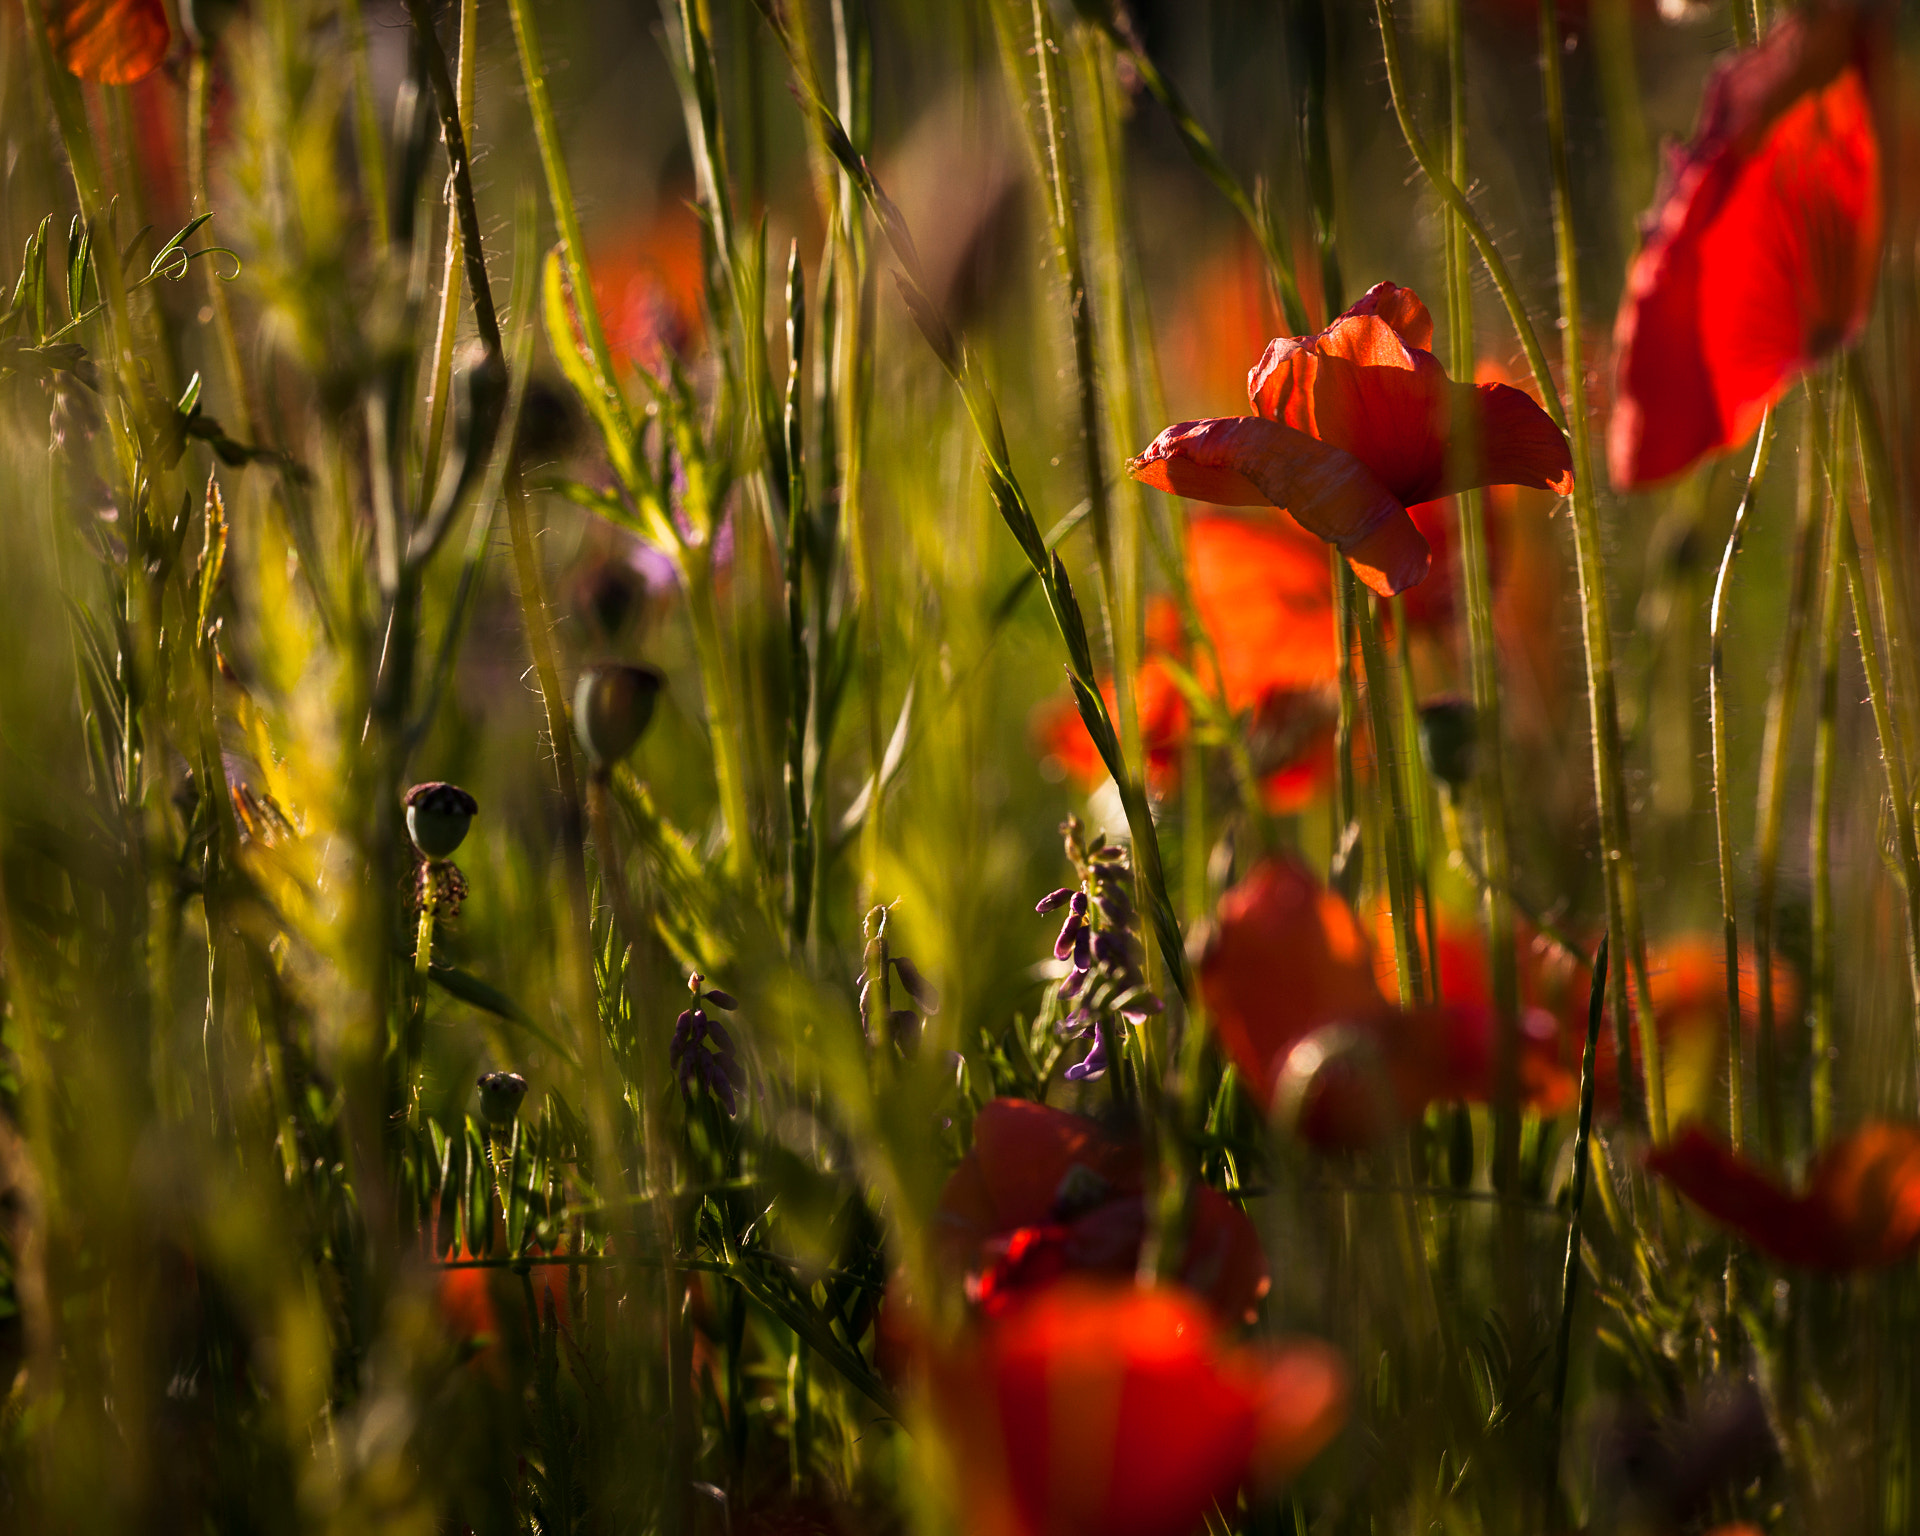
x=1740, y=1195
x=1283, y=958
x=1762, y=253
x=1400, y=308
x=1245, y=461
x=1861, y=1209
x=1869, y=1185
x=1265, y=597
x=1118, y=1411
x=113, y=41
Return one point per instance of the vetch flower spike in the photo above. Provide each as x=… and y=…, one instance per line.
x=1352, y=427
x=1860, y=1209
x=1761, y=253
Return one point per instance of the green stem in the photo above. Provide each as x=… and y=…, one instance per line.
x=1387, y=770
x=560, y=195
x=199, y=94
x=366, y=126
x=1490, y=800
x=1892, y=757
x=1770, y=811
x=1722, y=784
x=1623, y=926
x=440, y=371
x=1820, y=832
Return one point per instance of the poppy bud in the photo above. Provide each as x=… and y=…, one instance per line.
x=438, y=816
x=500, y=1096
x=1448, y=740
x=611, y=708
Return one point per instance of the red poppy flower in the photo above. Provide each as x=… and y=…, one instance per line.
x=113, y=41
x=1860, y=1209
x=1760, y=255
x=1287, y=972
x=1101, y=1410
x=649, y=281
x=1043, y=1193
x=1352, y=427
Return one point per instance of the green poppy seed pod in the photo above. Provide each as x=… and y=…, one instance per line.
x=500, y=1096
x=438, y=816
x=1449, y=734
x=611, y=708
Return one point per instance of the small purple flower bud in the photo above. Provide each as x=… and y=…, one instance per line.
x=1071, y=932
x=1142, y=1007
x=720, y=999
x=717, y=1037
x=1111, y=948
x=1083, y=948
x=1116, y=906
x=1076, y=1023
x=1094, y=1066
x=1076, y=979
x=1053, y=901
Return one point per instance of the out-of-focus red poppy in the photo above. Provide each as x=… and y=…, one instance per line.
x=471, y=1300
x=1761, y=252
x=648, y=281
x=1043, y=1193
x=113, y=41
x=1287, y=972
x=1860, y=1209
x=1352, y=427
x=1104, y=1410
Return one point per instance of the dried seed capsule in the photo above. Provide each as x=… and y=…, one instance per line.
x=612, y=706
x=438, y=816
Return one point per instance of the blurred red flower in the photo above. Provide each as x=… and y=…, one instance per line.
x=1761, y=252
x=1103, y=1410
x=1352, y=427
x=1860, y=1209
x=113, y=41
x=649, y=281
x=1043, y=1193
x=1288, y=975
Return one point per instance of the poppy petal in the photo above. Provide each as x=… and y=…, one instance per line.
x=1246, y=461
x=1761, y=255
x=1303, y=1403
x=1360, y=387
x=1283, y=958
x=1400, y=308
x=113, y=41
x=1264, y=595
x=1869, y=1186
x=1740, y=1195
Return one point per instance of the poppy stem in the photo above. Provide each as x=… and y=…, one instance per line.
x=1770, y=811
x=1820, y=832
x=1389, y=770
x=1623, y=916
x=1892, y=753
x=1722, y=787
x=1570, y=1269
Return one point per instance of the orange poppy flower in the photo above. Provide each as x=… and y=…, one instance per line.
x=1352, y=427
x=1860, y=1209
x=113, y=41
x=1103, y=1410
x=1761, y=253
x=1287, y=971
x=1043, y=1193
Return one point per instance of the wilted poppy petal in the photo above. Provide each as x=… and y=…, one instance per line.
x=113, y=41
x=1760, y=257
x=1244, y=461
